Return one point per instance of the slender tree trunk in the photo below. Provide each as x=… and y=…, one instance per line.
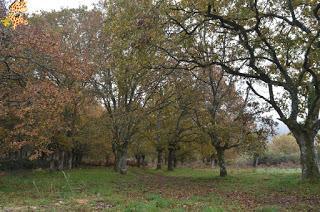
x=70, y=160
x=171, y=156
x=114, y=151
x=21, y=154
x=56, y=162
x=52, y=163
x=255, y=160
x=77, y=158
x=308, y=155
x=143, y=160
x=74, y=160
x=61, y=160
x=221, y=162
x=159, y=158
x=175, y=161
x=115, y=160
x=213, y=160
x=159, y=148
x=138, y=158
x=213, y=163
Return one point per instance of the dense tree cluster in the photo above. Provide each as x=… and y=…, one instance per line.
x=167, y=81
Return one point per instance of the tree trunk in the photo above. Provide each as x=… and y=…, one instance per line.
x=115, y=160
x=61, y=160
x=175, y=161
x=121, y=161
x=52, y=163
x=69, y=160
x=76, y=158
x=108, y=163
x=213, y=160
x=171, y=156
x=308, y=155
x=255, y=160
x=143, y=160
x=213, y=164
x=182, y=160
x=221, y=162
x=138, y=158
x=159, y=148
x=57, y=161
x=159, y=160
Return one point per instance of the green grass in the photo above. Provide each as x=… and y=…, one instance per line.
x=151, y=190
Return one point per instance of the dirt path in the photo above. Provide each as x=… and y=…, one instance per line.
x=184, y=188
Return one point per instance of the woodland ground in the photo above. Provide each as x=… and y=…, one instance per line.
x=94, y=189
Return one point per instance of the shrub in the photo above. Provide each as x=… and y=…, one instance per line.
x=6, y=165
x=271, y=158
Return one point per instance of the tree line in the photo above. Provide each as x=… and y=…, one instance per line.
x=177, y=79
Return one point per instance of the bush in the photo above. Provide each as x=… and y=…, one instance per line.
x=6, y=165
x=282, y=149
x=271, y=158
x=284, y=144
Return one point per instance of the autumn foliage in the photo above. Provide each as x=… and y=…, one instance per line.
x=164, y=82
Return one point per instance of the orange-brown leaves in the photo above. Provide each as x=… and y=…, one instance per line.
x=16, y=14
x=40, y=114
x=39, y=78
x=18, y=6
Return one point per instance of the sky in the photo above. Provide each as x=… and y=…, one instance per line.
x=47, y=5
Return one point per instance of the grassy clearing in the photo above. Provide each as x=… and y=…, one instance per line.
x=150, y=190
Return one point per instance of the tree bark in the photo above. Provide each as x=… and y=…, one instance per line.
x=121, y=161
x=143, y=160
x=70, y=160
x=61, y=160
x=76, y=159
x=171, y=156
x=308, y=155
x=213, y=163
x=115, y=160
x=159, y=159
x=52, y=163
x=255, y=160
x=158, y=139
x=221, y=162
x=138, y=158
x=175, y=161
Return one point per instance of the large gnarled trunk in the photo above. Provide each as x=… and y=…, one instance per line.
x=120, y=163
x=220, y=154
x=221, y=162
x=308, y=154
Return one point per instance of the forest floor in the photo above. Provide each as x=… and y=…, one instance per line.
x=100, y=189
